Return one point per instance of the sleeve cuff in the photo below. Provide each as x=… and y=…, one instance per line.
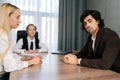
x=79, y=60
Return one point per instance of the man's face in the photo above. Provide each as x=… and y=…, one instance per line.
x=91, y=25
x=31, y=31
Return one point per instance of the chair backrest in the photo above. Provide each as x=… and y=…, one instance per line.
x=22, y=34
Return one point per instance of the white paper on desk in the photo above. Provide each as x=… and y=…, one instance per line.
x=32, y=54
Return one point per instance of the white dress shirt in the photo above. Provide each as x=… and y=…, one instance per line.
x=17, y=48
x=11, y=61
x=93, y=43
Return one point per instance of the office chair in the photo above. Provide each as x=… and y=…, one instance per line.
x=22, y=34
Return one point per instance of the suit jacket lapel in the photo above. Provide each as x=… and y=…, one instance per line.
x=98, y=38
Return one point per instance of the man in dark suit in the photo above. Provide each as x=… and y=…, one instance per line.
x=102, y=48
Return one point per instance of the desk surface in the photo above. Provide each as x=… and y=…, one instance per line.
x=53, y=68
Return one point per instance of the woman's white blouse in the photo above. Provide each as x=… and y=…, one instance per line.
x=11, y=61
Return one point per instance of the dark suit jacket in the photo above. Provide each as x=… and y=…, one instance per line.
x=105, y=54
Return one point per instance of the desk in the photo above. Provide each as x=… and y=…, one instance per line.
x=53, y=68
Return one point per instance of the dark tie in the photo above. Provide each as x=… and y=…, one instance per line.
x=31, y=45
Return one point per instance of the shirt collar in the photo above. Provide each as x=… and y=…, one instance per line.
x=33, y=40
x=93, y=38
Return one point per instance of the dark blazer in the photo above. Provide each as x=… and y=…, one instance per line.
x=106, y=51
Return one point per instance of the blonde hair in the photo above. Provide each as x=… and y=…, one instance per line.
x=6, y=9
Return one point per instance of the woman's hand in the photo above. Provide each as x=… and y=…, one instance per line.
x=35, y=60
x=26, y=58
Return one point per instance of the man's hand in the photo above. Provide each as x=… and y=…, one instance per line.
x=70, y=59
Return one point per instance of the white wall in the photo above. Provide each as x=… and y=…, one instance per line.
x=110, y=11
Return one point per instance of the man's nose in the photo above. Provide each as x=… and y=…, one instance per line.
x=87, y=25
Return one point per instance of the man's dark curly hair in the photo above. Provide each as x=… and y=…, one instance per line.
x=95, y=14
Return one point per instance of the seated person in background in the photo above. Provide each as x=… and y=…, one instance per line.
x=30, y=43
x=102, y=48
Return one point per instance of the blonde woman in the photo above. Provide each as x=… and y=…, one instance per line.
x=10, y=19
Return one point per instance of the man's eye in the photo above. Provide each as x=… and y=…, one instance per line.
x=90, y=21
